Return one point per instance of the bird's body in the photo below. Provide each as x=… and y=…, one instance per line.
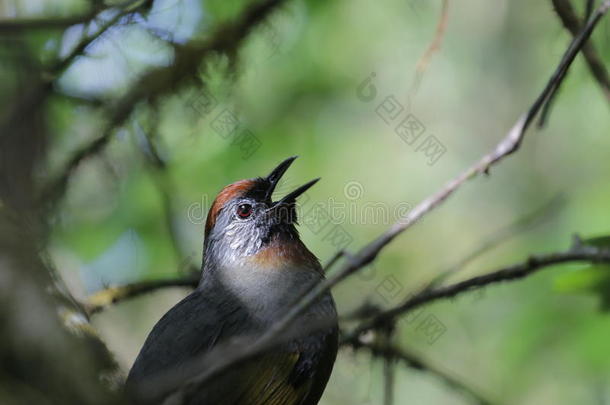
x=252, y=274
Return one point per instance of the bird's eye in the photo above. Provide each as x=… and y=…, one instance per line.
x=244, y=210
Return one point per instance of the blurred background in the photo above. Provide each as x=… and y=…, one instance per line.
x=336, y=83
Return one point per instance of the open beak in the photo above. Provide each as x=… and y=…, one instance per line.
x=275, y=176
x=291, y=197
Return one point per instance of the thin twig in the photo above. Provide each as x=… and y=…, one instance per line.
x=164, y=80
x=34, y=97
x=415, y=362
x=165, y=186
x=28, y=24
x=79, y=99
x=522, y=224
x=338, y=255
x=61, y=65
x=389, y=369
x=112, y=295
x=435, y=46
x=527, y=221
x=570, y=20
x=509, y=273
x=589, y=9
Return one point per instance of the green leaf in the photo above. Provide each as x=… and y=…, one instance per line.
x=593, y=279
x=599, y=241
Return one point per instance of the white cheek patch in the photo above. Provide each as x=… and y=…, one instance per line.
x=241, y=239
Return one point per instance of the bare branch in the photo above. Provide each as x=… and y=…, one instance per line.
x=529, y=220
x=435, y=46
x=34, y=97
x=165, y=185
x=60, y=66
x=160, y=81
x=524, y=223
x=589, y=9
x=570, y=20
x=16, y=25
x=112, y=295
x=415, y=362
x=338, y=255
x=510, y=273
x=389, y=369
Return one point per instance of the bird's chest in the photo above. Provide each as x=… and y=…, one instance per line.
x=265, y=293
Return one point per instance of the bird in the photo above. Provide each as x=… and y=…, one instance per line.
x=255, y=267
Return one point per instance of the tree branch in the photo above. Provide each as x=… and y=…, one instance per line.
x=102, y=299
x=34, y=97
x=389, y=369
x=42, y=23
x=158, y=170
x=112, y=295
x=572, y=23
x=61, y=65
x=589, y=9
x=522, y=224
x=16, y=25
x=532, y=265
x=160, y=81
x=435, y=46
x=415, y=362
x=570, y=20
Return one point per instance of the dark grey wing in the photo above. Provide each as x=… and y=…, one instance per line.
x=318, y=351
x=191, y=327
x=293, y=375
x=322, y=368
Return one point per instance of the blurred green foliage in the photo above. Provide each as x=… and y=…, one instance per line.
x=294, y=89
x=592, y=278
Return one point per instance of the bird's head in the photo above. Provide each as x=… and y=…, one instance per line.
x=244, y=223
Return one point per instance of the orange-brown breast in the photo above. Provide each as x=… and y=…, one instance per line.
x=279, y=254
x=227, y=194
